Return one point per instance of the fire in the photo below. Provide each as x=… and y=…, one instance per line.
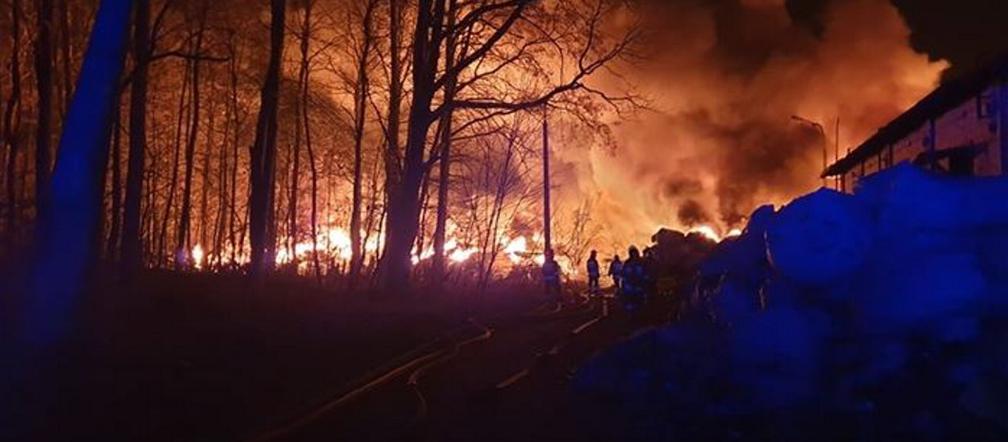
x=461, y=255
x=712, y=234
x=339, y=240
x=706, y=231
x=333, y=242
x=516, y=248
x=197, y=256
x=334, y=247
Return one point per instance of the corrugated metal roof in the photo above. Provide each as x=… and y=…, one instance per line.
x=944, y=98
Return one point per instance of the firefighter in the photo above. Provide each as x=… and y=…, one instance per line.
x=616, y=272
x=551, y=276
x=635, y=280
x=593, y=273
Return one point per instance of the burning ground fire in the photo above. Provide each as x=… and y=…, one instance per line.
x=334, y=248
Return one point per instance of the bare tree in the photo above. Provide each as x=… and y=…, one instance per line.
x=578, y=233
x=233, y=212
x=489, y=27
x=183, y=245
x=70, y=223
x=305, y=80
x=132, y=246
x=180, y=127
x=65, y=49
x=12, y=117
x=116, y=179
x=263, y=151
x=43, y=77
x=361, y=94
x=496, y=183
x=444, y=164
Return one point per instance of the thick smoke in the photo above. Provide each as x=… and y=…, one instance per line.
x=725, y=79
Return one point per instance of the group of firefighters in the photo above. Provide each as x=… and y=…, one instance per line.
x=630, y=278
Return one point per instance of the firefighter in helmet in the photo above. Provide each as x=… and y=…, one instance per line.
x=635, y=280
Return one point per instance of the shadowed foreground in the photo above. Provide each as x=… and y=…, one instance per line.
x=190, y=357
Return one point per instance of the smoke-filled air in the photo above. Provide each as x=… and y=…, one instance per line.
x=724, y=81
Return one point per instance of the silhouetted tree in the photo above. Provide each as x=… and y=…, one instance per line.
x=182, y=243
x=263, y=151
x=361, y=93
x=489, y=27
x=12, y=118
x=43, y=80
x=70, y=223
x=132, y=246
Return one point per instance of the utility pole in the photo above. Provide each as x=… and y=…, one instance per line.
x=836, y=141
x=547, y=242
x=836, y=149
x=822, y=134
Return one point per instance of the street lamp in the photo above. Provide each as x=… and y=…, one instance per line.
x=822, y=136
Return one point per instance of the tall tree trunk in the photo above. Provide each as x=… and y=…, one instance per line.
x=205, y=174
x=43, y=77
x=68, y=226
x=424, y=206
x=132, y=246
x=183, y=244
x=116, y=209
x=222, y=205
x=444, y=163
x=66, y=62
x=173, y=181
x=293, y=188
x=372, y=206
x=222, y=188
x=12, y=117
x=232, y=213
x=263, y=151
x=306, y=123
x=150, y=209
x=395, y=270
x=491, y=245
x=404, y=195
x=361, y=94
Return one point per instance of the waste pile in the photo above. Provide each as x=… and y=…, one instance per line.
x=881, y=315
x=675, y=254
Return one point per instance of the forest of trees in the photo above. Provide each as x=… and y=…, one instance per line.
x=338, y=139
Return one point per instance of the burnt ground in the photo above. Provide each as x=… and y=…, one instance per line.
x=199, y=357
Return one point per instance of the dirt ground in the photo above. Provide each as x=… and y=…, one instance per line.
x=196, y=357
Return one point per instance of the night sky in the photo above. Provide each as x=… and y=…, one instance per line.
x=966, y=33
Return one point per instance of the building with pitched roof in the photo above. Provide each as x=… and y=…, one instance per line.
x=961, y=128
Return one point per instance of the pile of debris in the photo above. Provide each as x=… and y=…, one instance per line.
x=673, y=257
x=881, y=315
x=677, y=255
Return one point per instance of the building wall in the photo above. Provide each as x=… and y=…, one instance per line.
x=971, y=122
